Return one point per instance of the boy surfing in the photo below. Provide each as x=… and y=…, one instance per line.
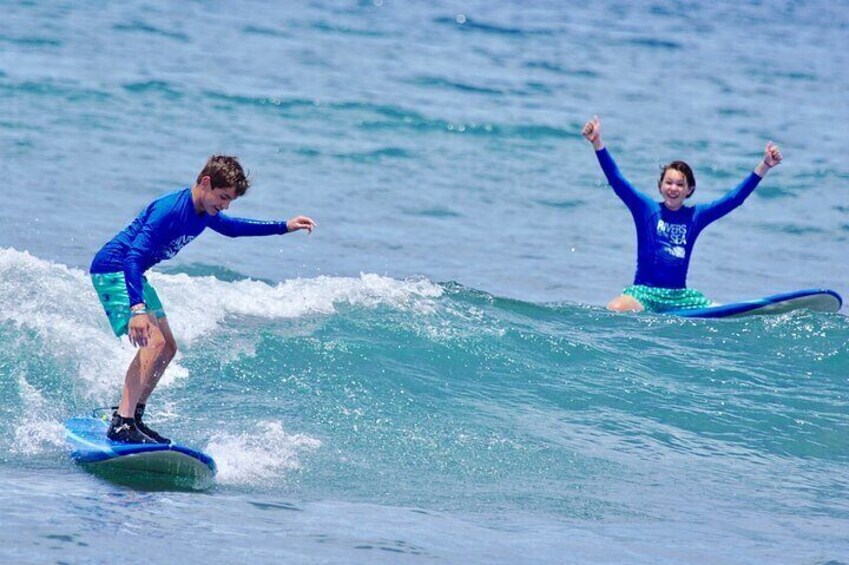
x=667, y=230
x=164, y=227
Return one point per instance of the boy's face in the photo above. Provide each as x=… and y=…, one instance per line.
x=215, y=200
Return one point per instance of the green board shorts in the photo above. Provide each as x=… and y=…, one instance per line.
x=656, y=299
x=112, y=291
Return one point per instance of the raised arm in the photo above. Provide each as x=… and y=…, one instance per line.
x=707, y=213
x=623, y=189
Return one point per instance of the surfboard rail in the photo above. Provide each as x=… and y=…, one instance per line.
x=91, y=448
x=815, y=299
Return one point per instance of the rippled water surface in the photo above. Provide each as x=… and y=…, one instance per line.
x=431, y=376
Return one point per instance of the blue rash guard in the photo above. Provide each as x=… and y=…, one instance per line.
x=665, y=238
x=164, y=227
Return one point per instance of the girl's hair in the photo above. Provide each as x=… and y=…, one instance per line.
x=682, y=168
x=225, y=171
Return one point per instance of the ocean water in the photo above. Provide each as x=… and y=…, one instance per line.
x=431, y=376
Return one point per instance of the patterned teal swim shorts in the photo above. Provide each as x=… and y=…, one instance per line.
x=112, y=291
x=656, y=299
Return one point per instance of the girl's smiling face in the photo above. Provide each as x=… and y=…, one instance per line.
x=674, y=189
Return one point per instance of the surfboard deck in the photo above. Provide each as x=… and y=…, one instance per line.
x=139, y=465
x=815, y=299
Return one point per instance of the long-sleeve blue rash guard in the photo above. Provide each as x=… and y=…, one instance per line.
x=665, y=238
x=164, y=227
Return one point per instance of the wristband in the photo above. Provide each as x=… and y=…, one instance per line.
x=138, y=311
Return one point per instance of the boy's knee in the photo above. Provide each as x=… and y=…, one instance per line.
x=169, y=347
x=156, y=344
x=156, y=341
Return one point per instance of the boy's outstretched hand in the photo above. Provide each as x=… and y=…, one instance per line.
x=300, y=223
x=592, y=131
x=772, y=154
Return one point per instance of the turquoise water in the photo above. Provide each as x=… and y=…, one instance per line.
x=431, y=376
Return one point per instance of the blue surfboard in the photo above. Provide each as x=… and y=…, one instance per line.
x=816, y=299
x=137, y=464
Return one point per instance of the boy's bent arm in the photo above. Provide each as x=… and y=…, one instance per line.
x=134, y=262
x=159, y=223
x=133, y=276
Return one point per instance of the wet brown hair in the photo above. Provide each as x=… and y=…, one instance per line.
x=682, y=168
x=225, y=171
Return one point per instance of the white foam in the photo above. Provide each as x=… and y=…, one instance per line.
x=35, y=432
x=60, y=304
x=200, y=304
x=253, y=458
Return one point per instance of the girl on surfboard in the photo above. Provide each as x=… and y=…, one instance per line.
x=667, y=230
